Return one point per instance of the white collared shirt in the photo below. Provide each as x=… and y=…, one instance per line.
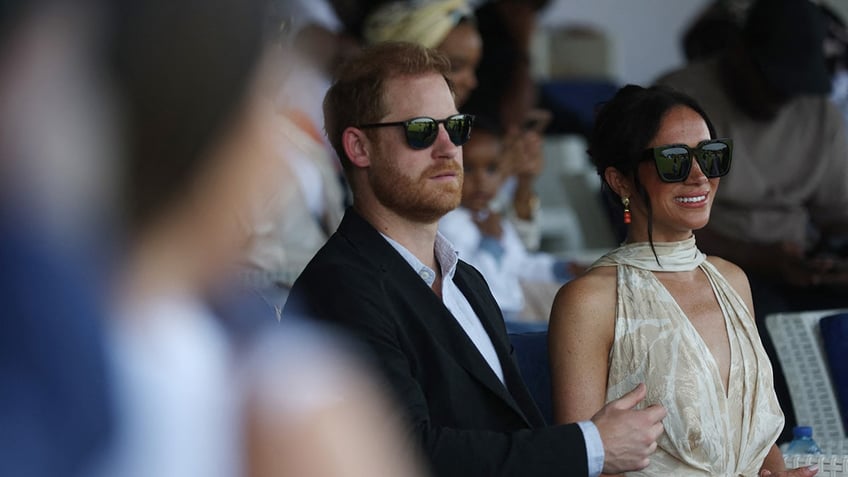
x=452, y=297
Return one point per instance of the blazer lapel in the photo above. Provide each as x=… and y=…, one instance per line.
x=441, y=324
x=491, y=318
x=447, y=331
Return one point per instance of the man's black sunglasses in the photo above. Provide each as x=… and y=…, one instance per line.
x=421, y=132
x=675, y=161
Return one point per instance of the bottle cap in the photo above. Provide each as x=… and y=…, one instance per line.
x=802, y=431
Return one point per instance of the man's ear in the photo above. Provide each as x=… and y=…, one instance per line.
x=357, y=146
x=617, y=181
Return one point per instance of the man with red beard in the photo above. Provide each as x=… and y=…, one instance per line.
x=429, y=319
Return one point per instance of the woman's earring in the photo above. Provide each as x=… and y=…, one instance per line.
x=625, y=201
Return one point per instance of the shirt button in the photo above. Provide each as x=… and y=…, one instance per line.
x=425, y=274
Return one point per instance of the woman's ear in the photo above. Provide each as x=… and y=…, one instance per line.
x=617, y=181
x=357, y=146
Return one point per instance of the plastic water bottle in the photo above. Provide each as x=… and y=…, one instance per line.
x=802, y=442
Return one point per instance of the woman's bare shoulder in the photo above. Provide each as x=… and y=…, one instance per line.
x=595, y=289
x=735, y=276
x=731, y=272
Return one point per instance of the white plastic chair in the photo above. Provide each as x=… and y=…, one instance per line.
x=573, y=218
x=829, y=465
x=798, y=343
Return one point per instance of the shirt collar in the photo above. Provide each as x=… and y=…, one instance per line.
x=446, y=256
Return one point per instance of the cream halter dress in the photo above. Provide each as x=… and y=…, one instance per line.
x=707, y=432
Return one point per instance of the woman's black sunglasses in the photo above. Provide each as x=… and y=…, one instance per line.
x=675, y=161
x=421, y=132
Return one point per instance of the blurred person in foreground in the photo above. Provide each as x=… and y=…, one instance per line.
x=191, y=398
x=389, y=278
x=659, y=311
x=55, y=179
x=449, y=26
x=783, y=214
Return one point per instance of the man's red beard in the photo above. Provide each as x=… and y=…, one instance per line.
x=422, y=199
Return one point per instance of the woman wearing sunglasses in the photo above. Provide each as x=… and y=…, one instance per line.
x=658, y=311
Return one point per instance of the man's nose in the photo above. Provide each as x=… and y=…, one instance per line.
x=443, y=144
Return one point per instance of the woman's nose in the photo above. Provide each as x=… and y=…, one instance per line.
x=696, y=173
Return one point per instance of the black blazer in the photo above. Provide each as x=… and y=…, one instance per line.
x=469, y=424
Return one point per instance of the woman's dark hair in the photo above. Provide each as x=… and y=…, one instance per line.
x=182, y=69
x=625, y=126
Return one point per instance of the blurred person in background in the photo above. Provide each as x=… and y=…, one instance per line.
x=193, y=396
x=717, y=27
x=836, y=58
x=523, y=283
x=783, y=214
x=288, y=226
x=55, y=192
x=507, y=91
x=445, y=25
x=450, y=27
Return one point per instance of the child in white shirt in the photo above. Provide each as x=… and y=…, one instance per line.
x=489, y=242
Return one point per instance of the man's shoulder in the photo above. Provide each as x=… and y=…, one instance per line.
x=336, y=279
x=339, y=258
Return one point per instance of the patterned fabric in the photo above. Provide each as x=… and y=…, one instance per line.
x=707, y=432
x=425, y=22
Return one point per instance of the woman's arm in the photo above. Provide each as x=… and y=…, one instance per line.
x=580, y=336
x=774, y=466
x=774, y=460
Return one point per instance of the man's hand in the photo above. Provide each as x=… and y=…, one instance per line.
x=799, y=472
x=629, y=435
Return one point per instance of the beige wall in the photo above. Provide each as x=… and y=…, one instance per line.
x=644, y=35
